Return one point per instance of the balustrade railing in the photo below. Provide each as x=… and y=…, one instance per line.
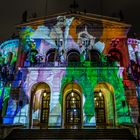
x=71, y=64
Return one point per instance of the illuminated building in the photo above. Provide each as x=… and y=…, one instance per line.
x=70, y=71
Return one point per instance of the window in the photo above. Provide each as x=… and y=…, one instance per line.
x=50, y=56
x=73, y=56
x=94, y=56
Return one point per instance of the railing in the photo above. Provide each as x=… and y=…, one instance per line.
x=71, y=64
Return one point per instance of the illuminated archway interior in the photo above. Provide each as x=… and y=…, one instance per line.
x=40, y=100
x=104, y=100
x=72, y=106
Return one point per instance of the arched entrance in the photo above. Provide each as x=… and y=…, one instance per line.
x=104, y=104
x=39, y=105
x=72, y=106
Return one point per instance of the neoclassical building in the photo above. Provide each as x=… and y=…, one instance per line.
x=70, y=70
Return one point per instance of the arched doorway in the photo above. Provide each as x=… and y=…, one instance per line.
x=104, y=103
x=72, y=106
x=39, y=105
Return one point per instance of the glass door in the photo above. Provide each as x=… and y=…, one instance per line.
x=45, y=108
x=100, y=109
x=73, y=110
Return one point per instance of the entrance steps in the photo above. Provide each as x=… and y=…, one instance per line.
x=44, y=134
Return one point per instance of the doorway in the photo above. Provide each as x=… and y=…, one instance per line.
x=72, y=106
x=73, y=110
x=39, y=105
x=104, y=103
x=45, y=107
x=100, y=109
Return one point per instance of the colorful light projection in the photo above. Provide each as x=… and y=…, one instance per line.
x=4, y=97
x=64, y=35
x=37, y=42
x=134, y=50
x=134, y=64
x=88, y=79
x=9, y=50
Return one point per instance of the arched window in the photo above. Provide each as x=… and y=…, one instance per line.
x=94, y=56
x=31, y=56
x=73, y=56
x=50, y=56
x=115, y=55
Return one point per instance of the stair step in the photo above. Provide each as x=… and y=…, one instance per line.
x=70, y=134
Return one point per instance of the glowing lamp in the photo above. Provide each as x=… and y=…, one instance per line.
x=72, y=94
x=100, y=94
x=45, y=94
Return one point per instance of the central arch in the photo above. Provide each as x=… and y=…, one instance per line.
x=39, y=105
x=72, y=106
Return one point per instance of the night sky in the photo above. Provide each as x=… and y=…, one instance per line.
x=11, y=11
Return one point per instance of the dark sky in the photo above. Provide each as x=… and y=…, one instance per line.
x=11, y=11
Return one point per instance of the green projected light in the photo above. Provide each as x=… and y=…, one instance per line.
x=88, y=78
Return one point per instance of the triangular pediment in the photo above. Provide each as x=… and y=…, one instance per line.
x=96, y=20
x=73, y=31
